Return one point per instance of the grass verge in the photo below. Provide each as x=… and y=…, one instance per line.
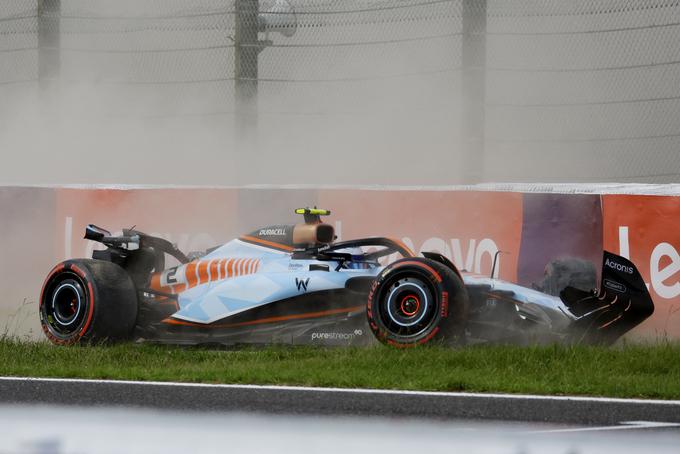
x=645, y=371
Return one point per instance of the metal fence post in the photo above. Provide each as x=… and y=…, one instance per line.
x=247, y=48
x=49, y=57
x=474, y=89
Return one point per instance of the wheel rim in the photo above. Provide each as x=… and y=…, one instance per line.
x=408, y=307
x=64, y=306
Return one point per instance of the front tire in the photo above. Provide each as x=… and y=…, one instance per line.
x=84, y=301
x=415, y=301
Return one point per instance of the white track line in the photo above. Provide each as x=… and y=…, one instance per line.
x=352, y=390
x=627, y=425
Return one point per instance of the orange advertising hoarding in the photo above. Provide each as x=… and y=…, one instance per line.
x=645, y=229
x=194, y=219
x=468, y=227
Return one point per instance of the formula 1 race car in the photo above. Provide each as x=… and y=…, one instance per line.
x=296, y=284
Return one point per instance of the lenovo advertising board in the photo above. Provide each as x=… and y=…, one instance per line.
x=526, y=231
x=644, y=228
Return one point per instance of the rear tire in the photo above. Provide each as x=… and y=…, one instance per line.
x=88, y=301
x=415, y=301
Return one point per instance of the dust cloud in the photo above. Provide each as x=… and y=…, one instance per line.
x=145, y=95
x=152, y=101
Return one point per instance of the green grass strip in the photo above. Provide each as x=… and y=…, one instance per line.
x=643, y=371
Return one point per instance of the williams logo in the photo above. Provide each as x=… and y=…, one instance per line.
x=618, y=267
x=301, y=284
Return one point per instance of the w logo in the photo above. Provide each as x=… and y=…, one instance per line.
x=301, y=284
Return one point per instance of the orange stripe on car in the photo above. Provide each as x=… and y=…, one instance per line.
x=190, y=274
x=155, y=281
x=206, y=271
x=265, y=243
x=178, y=288
x=203, y=272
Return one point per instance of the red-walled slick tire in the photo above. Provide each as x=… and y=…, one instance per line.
x=415, y=301
x=84, y=301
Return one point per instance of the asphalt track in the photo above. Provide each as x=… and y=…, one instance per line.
x=36, y=429
x=334, y=401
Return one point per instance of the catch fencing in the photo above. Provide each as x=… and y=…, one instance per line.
x=452, y=90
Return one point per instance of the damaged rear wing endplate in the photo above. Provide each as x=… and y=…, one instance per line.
x=620, y=304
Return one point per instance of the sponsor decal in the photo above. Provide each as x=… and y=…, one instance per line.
x=448, y=223
x=295, y=266
x=337, y=336
x=272, y=232
x=664, y=263
x=445, y=304
x=301, y=284
x=616, y=286
x=618, y=267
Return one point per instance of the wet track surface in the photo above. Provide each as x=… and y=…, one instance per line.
x=335, y=402
x=67, y=430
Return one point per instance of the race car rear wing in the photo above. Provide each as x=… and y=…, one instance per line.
x=620, y=304
x=130, y=242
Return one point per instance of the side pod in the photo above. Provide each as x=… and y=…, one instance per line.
x=621, y=303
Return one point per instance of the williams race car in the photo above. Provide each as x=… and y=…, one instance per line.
x=296, y=284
